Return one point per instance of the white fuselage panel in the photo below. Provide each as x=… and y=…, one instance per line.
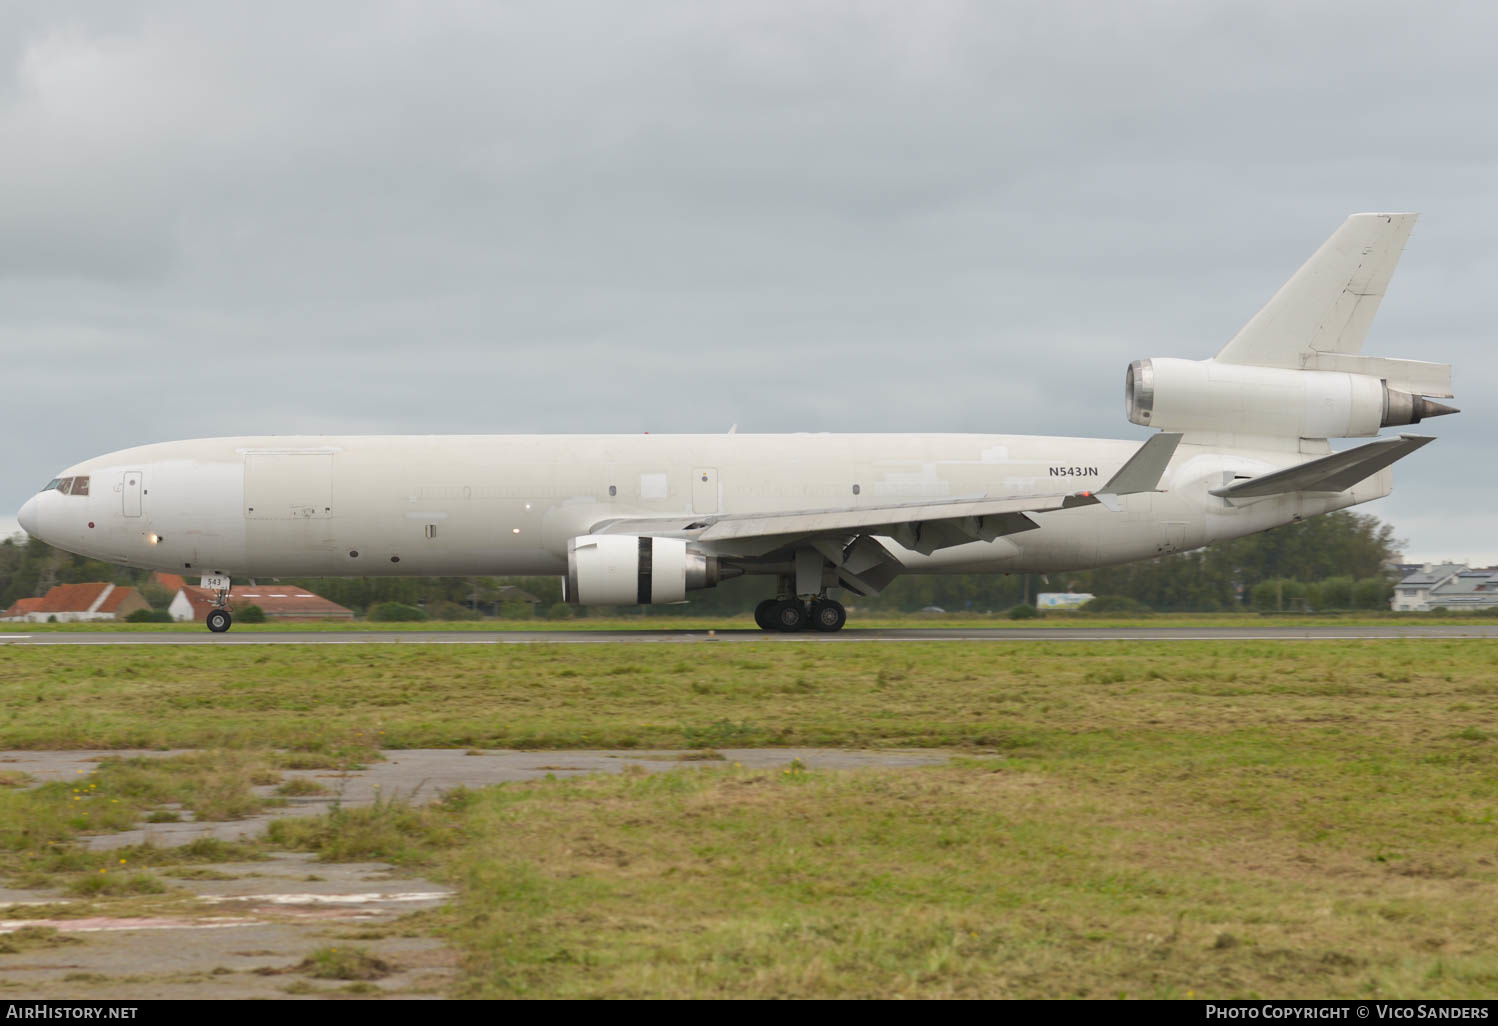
x=507, y=504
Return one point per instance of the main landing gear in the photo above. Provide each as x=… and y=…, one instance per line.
x=792, y=614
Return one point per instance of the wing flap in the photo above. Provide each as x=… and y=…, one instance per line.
x=886, y=519
x=1334, y=473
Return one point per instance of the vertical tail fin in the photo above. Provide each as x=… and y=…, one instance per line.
x=1327, y=305
x=1320, y=317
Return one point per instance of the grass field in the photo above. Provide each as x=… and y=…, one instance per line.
x=1188, y=819
x=988, y=697
x=997, y=878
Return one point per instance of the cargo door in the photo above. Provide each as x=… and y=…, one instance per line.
x=130, y=494
x=288, y=510
x=705, y=490
x=288, y=486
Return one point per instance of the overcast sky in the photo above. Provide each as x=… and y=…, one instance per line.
x=484, y=217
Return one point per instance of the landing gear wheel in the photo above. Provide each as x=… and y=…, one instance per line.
x=789, y=615
x=764, y=615
x=219, y=620
x=828, y=616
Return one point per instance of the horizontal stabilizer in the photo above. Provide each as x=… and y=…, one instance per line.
x=1335, y=473
x=1418, y=377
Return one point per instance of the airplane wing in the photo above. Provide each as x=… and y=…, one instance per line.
x=1334, y=473
x=923, y=526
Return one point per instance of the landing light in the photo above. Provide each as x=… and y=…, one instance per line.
x=153, y=538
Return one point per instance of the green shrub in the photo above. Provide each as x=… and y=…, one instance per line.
x=1372, y=593
x=159, y=597
x=1279, y=594
x=516, y=610
x=395, y=612
x=149, y=616
x=442, y=609
x=1022, y=612
x=249, y=614
x=1336, y=593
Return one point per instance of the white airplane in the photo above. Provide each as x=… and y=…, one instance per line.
x=1242, y=447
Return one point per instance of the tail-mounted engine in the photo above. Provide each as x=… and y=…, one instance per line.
x=1204, y=395
x=626, y=569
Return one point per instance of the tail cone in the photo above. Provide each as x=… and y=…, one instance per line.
x=1404, y=408
x=1430, y=408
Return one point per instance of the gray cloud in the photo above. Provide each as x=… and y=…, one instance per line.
x=599, y=217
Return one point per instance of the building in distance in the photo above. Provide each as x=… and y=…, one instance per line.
x=73, y=603
x=1450, y=586
x=277, y=601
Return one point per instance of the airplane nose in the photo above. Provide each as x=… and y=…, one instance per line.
x=27, y=517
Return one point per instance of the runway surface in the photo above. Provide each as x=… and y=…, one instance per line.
x=851, y=636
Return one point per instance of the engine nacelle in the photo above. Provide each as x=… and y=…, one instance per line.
x=1204, y=395
x=626, y=569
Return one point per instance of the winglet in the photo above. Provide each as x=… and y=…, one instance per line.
x=1143, y=471
x=1140, y=474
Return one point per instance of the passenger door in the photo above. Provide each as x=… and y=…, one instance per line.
x=131, y=493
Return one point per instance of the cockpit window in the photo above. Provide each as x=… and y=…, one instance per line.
x=68, y=485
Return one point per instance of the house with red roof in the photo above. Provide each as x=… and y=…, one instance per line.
x=277, y=601
x=71, y=603
x=18, y=611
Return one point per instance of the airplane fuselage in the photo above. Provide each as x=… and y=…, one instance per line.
x=457, y=505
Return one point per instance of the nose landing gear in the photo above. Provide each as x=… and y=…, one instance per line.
x=218, y=618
